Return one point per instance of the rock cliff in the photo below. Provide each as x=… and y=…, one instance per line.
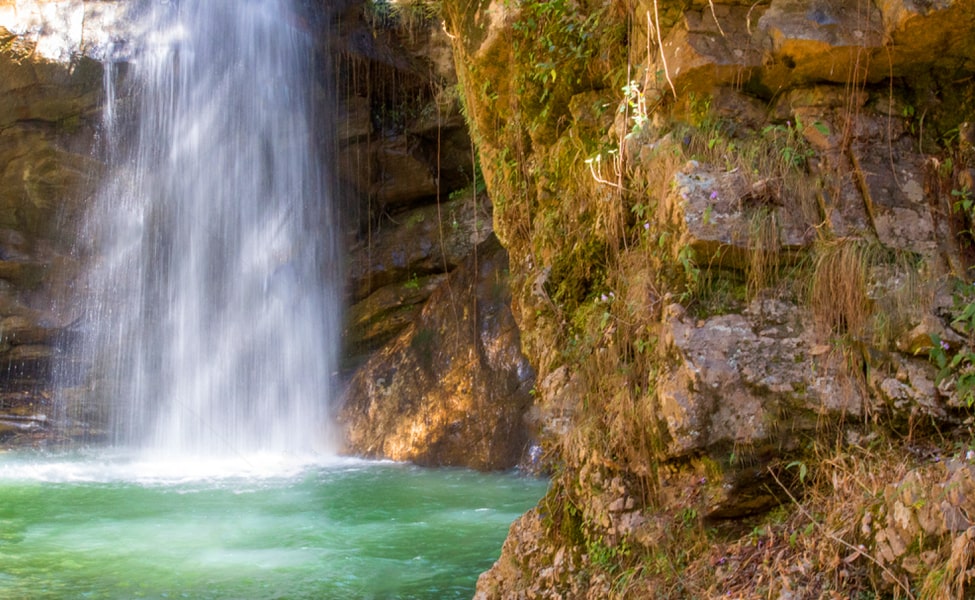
x=435, y=371
x=740, y=242
x=52, y=96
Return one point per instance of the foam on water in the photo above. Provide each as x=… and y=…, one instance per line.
x=168, y=470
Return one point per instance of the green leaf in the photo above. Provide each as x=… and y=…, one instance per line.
x=803, y=469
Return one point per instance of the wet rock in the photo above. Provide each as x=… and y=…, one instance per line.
x=60, y=31
x=402, y=140
x=51, y=90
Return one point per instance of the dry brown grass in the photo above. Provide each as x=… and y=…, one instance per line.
x=812, y=548
x=838, y=293
x=820, y=545
x=862, y=291
x=764, y=250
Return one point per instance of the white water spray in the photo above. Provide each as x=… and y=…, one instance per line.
x=212, y=304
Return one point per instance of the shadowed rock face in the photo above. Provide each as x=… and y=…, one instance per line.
x=432, y=355
x=50, y=102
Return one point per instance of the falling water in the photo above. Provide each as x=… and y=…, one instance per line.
x=211, y=315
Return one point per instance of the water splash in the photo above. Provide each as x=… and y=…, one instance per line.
x=211, y=306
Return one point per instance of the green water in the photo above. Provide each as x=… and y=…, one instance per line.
x=98, y=527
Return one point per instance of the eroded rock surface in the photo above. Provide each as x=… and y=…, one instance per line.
x=453, y=387
x=51, y=100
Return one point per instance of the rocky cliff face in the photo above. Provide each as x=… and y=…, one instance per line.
x=436, y=375
x=739, y=240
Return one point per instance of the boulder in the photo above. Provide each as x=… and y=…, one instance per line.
x=715, y=213
x=453, y=388
x=744, y=379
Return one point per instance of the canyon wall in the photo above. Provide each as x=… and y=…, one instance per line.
x=740, y=238
x=51, y=94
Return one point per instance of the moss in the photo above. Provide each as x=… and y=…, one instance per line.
x=561, y=517
x=577, y=274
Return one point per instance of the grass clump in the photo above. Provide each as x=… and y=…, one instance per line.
x=838, y=294
x=865, y=292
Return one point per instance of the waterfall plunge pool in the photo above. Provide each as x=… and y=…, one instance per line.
x=97, y=525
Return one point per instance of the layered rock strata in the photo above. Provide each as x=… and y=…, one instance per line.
x=734, y=246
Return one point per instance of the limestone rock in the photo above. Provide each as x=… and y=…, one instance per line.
x=714, y=211
x=817, y=41
x=701, y=53
x=402, y=140
x=40, y=176
x=792, y=42
x=927, y=35
x=354, y=120
x=895, y=199
x=50, y=96
x=453, y=388
x=930, y=505
x=375, y=320
x=402, y=176
x=738, y=374
x=59, y=31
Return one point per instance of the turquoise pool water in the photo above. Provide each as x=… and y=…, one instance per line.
x=97, y=526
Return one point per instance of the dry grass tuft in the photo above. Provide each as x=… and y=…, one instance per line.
x=823, y=544
x=764, y=251
x=838, y=294
x=863, y=291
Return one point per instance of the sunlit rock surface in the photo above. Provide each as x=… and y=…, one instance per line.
x=453, y=387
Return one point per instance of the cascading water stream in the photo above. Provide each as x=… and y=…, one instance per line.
x=212, y=306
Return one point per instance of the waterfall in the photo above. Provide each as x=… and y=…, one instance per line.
x=211, y=303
